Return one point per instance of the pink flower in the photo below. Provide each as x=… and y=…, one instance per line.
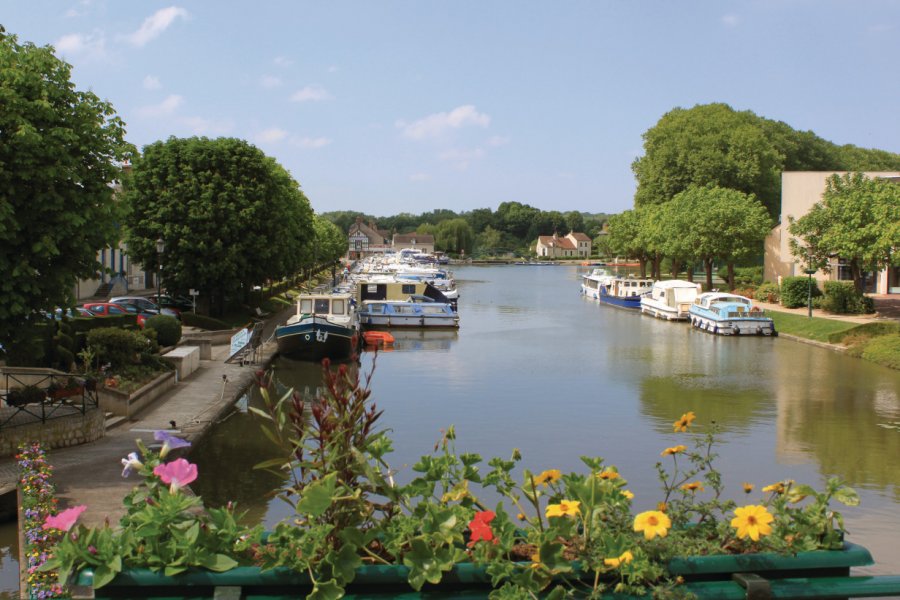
x=177, y=473
x=64, y=520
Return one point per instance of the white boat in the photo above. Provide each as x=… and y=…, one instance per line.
x=729, y=314
x=593, y=281
x=670, y=299
x=417, y=311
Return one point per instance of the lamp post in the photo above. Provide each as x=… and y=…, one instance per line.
x=809, y=274
x=160, y=248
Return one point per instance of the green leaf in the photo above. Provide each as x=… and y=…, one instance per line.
x=329, y=590
x=345, y=563
x=274, y=462
x=102, y=576
x=317, y=496
x=847, y=496
x=218, y=562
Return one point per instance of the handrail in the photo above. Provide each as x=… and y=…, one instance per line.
x=43, y=395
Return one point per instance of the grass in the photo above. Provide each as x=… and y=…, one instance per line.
x=816, y=328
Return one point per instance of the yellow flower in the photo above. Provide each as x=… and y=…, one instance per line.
x=521, y=516
x=548, y=477
x=628, y=494
x=625, y=557
x=564, y=508
x=694, y=486
x=607, y=474
x=748, y=487
x=653, y=523
x=673, y=450
x=752, y=521
x=684, y=422
x=778, y=488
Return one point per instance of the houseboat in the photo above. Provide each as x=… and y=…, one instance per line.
x=625, y=292
x=729, y=314
x=389, y=287
x=593, y=281
x=417, y=311
x=670, y=299
x=325, y=326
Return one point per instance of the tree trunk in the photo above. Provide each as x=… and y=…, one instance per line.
x=689, y=268
x=676, y=268
x=708, y=265
x=730, y=277
x=643, y=263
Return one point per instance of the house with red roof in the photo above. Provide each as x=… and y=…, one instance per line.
x=573, y=245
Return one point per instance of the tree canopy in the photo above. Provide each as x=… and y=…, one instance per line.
x=60, y=151
x=229, y=216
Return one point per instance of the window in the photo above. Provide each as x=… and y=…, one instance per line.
x=338, y=307
x=375, y=309
x=321, y=305
x=306, y=306
x=408, y=288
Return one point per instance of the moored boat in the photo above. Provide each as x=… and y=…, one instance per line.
x=593, y=281
x=407, y=313
x=670, y=299
x=325, y=326
x=729, y=314
x=625, y=292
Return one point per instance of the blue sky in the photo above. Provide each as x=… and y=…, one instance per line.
x=409, y=106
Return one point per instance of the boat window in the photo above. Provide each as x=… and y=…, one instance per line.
x=338, y=307
x=377, y=309
x=433, y=310
x=321, y=305
x=306, y=306
x=404, y=309
x=408, y=288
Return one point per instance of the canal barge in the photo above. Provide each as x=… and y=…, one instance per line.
x=625, y=292
x=670, y=299
x=729, y=314
x=417, y=311
x=325, y=326
x=593, y=281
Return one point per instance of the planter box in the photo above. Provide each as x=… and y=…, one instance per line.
x=127, y=405
x=707, y=577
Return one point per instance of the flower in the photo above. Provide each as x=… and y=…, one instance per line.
x=628, y=494
x=694, y=486
x=177, y=473
x=653, y=523
x=480, y=528
x=777, y=488
x=170, y=442
x=131, y=463
x=748, y=487
x=548, y=477
x=563, y=509
x=673, y=450
x=608, y=474
x=752, y=521
x=64, y=520
x=684, y=422
x=625, y=557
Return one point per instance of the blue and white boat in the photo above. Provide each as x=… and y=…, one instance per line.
x=325, y=326
x=729, y=314
x=593, y=281
x=625, y=292
x=417, y=311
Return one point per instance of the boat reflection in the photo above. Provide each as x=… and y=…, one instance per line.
x=417, y=340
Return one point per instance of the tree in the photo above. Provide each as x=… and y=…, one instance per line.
x=489, y=241
x=515, y=218
x=574, y=221
x=455, y=235
x=858, y=219
x=625, y=237
x=480, y=219
x=230, y=216
x=60, y=151
x=330, y=241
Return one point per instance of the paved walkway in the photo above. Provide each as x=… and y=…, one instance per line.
x=887, y=307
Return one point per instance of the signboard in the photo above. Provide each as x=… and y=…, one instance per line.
x=238, y=341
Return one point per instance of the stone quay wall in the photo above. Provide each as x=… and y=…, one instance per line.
x=59, y=432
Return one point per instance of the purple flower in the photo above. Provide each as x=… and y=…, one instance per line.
x=131, y=463
x=170, y=442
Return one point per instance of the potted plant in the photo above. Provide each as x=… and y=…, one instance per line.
x=355, y=529
x=29, y=394
x=70, y=387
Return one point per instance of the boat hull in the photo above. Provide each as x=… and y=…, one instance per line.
x=418, y=321
x=632, y=302
x=315, y=340
x=745, y=326
x=664, y=312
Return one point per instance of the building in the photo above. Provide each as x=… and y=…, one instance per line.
x=365, y=240
x=574, y=245
x=800, y=190
x=422, y=242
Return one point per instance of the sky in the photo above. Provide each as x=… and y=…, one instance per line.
x=386, y=107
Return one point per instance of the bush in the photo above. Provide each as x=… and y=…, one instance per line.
x=884, y=350
x=168, y=329
x=203, y=322
x=748, y=276
x=842, y=297
x=118, y=347
x=795, y=291
x=768, y=292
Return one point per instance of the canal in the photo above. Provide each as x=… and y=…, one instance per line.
x=536, y=366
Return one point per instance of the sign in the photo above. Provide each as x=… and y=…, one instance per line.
x=193, y=292
x=238, y=341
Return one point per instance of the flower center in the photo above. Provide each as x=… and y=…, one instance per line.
x=653, y=521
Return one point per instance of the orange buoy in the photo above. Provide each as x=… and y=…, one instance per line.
x=375, y=338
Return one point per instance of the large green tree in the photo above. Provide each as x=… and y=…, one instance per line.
x=59, y=154
x=455, y=236
x=858, y=219
x=230, y=217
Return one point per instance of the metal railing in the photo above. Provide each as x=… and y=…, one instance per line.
x=32, y=396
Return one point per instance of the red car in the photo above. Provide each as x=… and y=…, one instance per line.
x=108, y=309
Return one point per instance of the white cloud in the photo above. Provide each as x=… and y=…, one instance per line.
x=164, y=108
x=269, y=81
x=310, y=93
x=90, y=46
x=79, y=9
x=439, y=123
x=283, y=61
x=272, y=135
x=203, y=126
x=312, y=143
x=151, y=82
x=419, y=177
x=154, y=25
x=461, y=159
x=497, y=140
x=731, y=20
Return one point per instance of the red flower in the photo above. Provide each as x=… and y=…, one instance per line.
x=480, y=528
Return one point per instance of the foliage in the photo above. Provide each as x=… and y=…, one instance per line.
x=59, y=153
x=795, y=291
x=203, y=322
x=768, y=291
x=842, y=297
x=168, y=329
x=330, y=242
x=856, y=220
x=118, y=347
x=748, y=276
x=229, y=216
x=884, y=350
x=454, y=236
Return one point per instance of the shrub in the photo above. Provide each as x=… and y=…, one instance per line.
x=168, y=329
x=748, y=276
x=203, y=322
x=884, y=350
x=795, y=291
x=842, y=297
x=118, y=347
x=768, y=292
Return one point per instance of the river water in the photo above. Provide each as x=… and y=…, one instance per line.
x=538, y=367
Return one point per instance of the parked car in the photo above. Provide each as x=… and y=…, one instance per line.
x=108, y=309
x=145, y=304
x=71, y=313
x=179, y=303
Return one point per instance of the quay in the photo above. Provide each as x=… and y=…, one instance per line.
x=91, y=474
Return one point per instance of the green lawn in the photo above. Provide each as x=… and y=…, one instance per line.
x=802, y=326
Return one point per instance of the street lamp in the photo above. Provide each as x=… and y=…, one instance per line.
x=809, y=274
x=160, y=248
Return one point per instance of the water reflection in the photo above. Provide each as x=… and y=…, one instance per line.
x=9, y=563
x=419, y=340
